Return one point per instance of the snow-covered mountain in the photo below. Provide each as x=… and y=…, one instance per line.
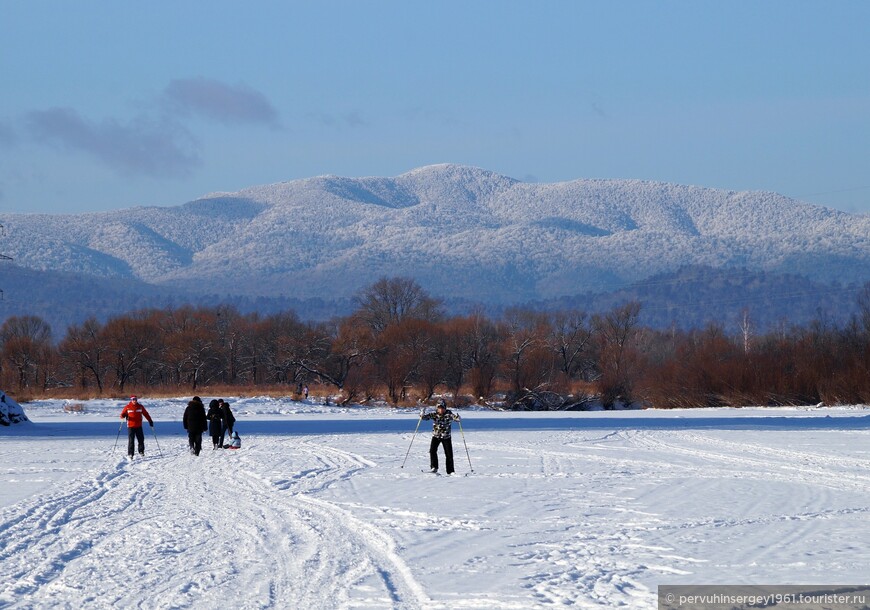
x=462, y=232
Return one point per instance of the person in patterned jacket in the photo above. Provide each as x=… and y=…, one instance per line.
x=441, y=421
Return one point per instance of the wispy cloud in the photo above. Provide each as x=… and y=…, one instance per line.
x=156, y=142
x=141, y=146
x=221, y=102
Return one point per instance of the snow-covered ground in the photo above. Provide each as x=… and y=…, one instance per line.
x=589, y=510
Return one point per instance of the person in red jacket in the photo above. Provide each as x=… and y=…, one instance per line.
x=133, y=413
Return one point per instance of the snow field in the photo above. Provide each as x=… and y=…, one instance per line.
x=594, y=512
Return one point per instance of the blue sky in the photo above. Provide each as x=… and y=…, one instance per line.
x=110, y=104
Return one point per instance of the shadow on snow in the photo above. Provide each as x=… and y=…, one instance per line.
x=301, y=426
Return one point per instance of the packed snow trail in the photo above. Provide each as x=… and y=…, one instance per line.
x=180, y=531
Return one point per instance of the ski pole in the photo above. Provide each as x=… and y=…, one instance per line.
x=118, y=437
x=412, y=442
x=459, y=421
x=155, y=440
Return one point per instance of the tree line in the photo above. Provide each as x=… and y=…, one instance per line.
x=398, y=345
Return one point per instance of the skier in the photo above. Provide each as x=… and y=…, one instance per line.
x=229, y=419
x=133, y=413
x=195, y=423
x=441, y=422
x=216, y=423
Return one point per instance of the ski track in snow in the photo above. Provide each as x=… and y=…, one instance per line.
x=584, y=519
x=309, y=553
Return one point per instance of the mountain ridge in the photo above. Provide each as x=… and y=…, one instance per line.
x=460, y=231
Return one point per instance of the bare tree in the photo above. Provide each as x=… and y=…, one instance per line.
x=391, y=300
x=528, y=360
x=746, y=330
x=26, y=342
x=404, y=348
x=616, y=332
x=339, y=351
x=190, y=344
x=280, y=345
x=571, y=339
x=457, y=353
x=482, y=346
x=131, y=342
x=83, y=346
x=433, y=369
x=232, y=331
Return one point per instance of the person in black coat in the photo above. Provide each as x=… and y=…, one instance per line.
x=195, y=423
x=229, y=420
x=215, y=423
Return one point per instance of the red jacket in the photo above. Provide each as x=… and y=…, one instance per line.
x=134, y=412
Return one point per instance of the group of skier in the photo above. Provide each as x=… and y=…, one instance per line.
x=219, y=420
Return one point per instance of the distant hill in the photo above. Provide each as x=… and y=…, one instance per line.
x=465, y=234
x=62, y=299
x=693, y=297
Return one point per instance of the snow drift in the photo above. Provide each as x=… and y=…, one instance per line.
x=10, y=411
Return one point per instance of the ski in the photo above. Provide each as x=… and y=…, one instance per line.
x=452, y=474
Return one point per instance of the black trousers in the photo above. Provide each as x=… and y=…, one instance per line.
x=194, y=439
x=226, y=430
x=135, y=434
x=448, y=453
